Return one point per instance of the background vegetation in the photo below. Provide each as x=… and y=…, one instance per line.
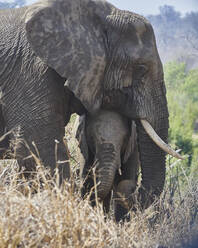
x=182, y=96
x=176, y=35
x=37, y=213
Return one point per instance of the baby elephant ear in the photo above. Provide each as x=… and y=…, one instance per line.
x=67, y=36
x=131, y=144
x=81, y=136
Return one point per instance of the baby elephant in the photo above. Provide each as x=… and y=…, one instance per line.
x=107, y=141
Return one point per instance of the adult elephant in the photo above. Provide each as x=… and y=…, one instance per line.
x=106, y=58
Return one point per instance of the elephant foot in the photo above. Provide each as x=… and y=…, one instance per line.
x=121, y=213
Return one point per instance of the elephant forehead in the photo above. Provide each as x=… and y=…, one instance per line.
x=136, y=42
x=109, y=126
x=145, y=46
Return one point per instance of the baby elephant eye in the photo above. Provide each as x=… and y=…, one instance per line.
x=140, y=71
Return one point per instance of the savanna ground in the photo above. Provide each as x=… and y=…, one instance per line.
x=37, y=213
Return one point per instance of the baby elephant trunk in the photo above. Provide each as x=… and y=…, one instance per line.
x=106, y=167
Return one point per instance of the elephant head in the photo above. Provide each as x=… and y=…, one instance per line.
x=109, y=60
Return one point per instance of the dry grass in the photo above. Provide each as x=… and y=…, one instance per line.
x=37, y=213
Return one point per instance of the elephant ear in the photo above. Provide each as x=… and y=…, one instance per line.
x=131, y=144
x=81, y=137
x=67, y=36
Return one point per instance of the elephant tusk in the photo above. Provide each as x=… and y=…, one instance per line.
x=153, y=135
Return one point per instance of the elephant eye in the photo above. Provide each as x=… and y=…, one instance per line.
x=140, y=71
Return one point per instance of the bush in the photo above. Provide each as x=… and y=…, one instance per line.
x=182, y=88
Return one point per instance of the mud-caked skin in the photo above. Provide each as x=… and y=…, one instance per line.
x=108, y=142
x=105, y=57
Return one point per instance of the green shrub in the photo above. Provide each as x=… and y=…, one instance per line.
x=182, y=95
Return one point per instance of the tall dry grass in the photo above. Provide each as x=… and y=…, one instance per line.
x=38, y=213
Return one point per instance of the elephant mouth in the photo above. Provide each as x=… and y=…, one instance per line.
x=158, y=141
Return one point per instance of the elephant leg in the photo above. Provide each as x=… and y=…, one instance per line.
x=42, y=148
x=121, y=213
x=130, y=169
x=36, y=111
x=86, y=177
x=125, y=186
x=87, y=187
x=122, y=199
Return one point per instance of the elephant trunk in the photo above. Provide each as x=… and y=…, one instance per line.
x=106, y=167
x=152, y=159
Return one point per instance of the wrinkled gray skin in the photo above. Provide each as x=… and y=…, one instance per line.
x=108, y=142
x=107, y=58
